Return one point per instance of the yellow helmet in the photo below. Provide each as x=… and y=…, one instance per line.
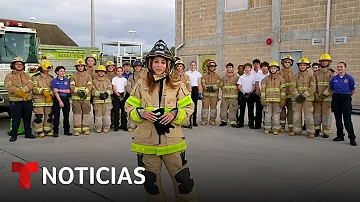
x=101, y=68
x=179, y=62
x=80, y=62
x=109, y=63
x=274, y=63
x=45, y=65
x=287, y=57
x=16, y=59
x=325, y=57
x=304, y=60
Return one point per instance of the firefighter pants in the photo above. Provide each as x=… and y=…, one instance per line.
x=176, y=165
x=228, y=109
x=322, y=116
x=43, y=119
x=119, y=105
x=272, y=116
x=102, y=116
x=206, y=103
x=308, y=109
x=21, y=110
x=287, y=114
x=250, y=106
x=342, y=107
x=82, y=117
x=65, y=110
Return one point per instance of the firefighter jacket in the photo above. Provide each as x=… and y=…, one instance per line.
x=322, y=79
x=110, y=75
x=18, y=80
x=289, y=76
x=210, y=79
x=146, y=139
x=91, y=72
x=184, y=78
x=80, y=81
x=228, y=85
x=41, y=82
x=132, y=81
x=101, y=85
x=273, y=88
x=304, y=85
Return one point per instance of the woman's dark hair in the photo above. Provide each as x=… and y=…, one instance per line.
x=170, y=79
x=57, y=69
x=345, y=65
x=264, y=64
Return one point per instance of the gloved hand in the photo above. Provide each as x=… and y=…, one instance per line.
x=300, y=99
x=246, y=95
x=46, y=93
x=102, y=96
x=106, y=95
x=316, y=97
x=161, y=129
x=322, y=97
x=20, y=93
x=282, y=103
x=81, y=94
x=200, y=97
x=209, y=89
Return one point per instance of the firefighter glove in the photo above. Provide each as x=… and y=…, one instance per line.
x=322, y=97
x=161, y=129
x=209, y=89
x=282, y=103
x=316, y=97
x=82, y=94
x=46, y=93
x=20, y=93
x=106, y=95
x=102, y=96
x=300, y=99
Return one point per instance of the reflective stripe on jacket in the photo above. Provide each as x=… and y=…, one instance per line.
x=273, y=88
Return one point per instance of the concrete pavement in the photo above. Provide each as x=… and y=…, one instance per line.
x=227, y=164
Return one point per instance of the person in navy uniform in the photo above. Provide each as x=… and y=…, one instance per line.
x=342, y=86
x=61, y=88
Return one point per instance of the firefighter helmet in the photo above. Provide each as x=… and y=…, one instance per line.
x=109, y=63
x=325, y=57
x=160, y=49
x=17, y=59
x=91, y=55
x=287, y=57
x=211, y=63
x=45, y=65
x=137, y=63
x=179, y=62
x=274, y=64
x=101, y=68
x=80, y=62
x=304, y=61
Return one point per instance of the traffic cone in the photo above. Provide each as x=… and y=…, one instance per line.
x=20, y=130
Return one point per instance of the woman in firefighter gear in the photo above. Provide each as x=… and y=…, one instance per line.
x=81, y=85
x=102, y=90
x=273, y=96
x=137, y=67
x=19, y=87
x=110, y=74
x=229, y=103
x=43, y=100
x=90, y=61
x=287, y=112
x=303, y=97
x=210, y=83
x=322, y=103
x=180, y=72
x=160, y=104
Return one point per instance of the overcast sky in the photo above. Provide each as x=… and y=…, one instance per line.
x=152, y=19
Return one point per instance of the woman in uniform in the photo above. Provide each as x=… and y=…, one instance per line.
x=161, y=104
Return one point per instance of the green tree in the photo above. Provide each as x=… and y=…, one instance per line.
x=172, y=50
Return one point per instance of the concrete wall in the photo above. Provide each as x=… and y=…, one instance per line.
x=239, y=36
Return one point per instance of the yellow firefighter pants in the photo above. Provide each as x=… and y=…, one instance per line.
x=176, y=165
x=206, y=103
x=322, y=115
x=82, y=117
x=287, y=114
x=308, y=109
x=43, y=119
x=228, y=109
x=102, y=116
x=272, y=116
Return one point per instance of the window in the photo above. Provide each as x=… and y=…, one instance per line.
x=234, y=5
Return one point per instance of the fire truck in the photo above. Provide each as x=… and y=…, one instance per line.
x=16, y=39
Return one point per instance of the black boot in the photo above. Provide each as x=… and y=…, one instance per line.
x=194, y=121
x=31, y=136
x=326, y=136
x=13, y=138
x=317, y=132
x=353, y=142
x=338, y=139
x=56, y=134
x=223, y=123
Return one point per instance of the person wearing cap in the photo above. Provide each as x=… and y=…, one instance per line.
x=303, y=97
x=119, y=84
x=287, y=112
x=273, y=94
x=126, y=67
x=19, y=87
x=43, y=100
x=102, y=90
x=137, y=67
x=322, y=103
x=110, y=74
x=210, y=83
x=81, y=85
x=90, y=61
x=160, y=103
x=61, y=89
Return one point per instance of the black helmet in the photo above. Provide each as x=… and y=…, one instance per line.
x=137, y=63
x=160, y=49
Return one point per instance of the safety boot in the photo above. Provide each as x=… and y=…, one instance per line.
x=267, y=132
x=130, y=129
x=326, y=136
x=203, y=123
x=317, y=132
x=105, y=130
x=234, y=125
x=97, y=130
x=76, y=133
x=41, y=135
x=291, y=132
x=223, y=123
x=87, y=132
x=49, y=133
x=311, y=136
x=212, y=122
x=282, y=129
x=276, y=132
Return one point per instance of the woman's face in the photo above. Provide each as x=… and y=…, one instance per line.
x=287, y=63
x=273, y=69
x=302, y=67
x=110, y=68
x=193, y=66
x=180, y=67
x=119, y=72
x=159, y=65
x=61, y=72
x=90, y=62
x=137, y=68
x=341, y=68
x=81, y=68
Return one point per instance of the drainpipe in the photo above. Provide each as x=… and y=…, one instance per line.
x=182, y=28
x=327, y=30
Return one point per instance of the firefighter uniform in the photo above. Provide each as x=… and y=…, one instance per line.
x=90, y=68
x=43, y=100
x=102, y=90
x=229, y=103
x=211, y=84
x=273, y=95
x=287, y=111
x=81, y=85
x=153, y=146
x=303, y=97
x=322, y=104
x=19, y=88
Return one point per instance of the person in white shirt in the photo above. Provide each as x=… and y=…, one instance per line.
x=196, y=88
x=246, y=85
x=259, y=108
x=119, y=84
x=256, y=70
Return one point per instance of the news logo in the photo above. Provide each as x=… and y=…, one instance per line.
x=24, y=171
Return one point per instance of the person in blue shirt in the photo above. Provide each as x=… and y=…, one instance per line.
x=127, y=73
x=61, y=88
x=342, y=86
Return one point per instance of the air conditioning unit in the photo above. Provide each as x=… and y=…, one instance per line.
x=340, y=40
x=318, y=41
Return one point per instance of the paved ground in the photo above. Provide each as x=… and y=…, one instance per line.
x=227, y=165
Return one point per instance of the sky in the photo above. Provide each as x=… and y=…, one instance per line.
x=151, y=19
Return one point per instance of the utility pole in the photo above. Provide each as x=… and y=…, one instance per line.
x=92, y=25
x=132, y=32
